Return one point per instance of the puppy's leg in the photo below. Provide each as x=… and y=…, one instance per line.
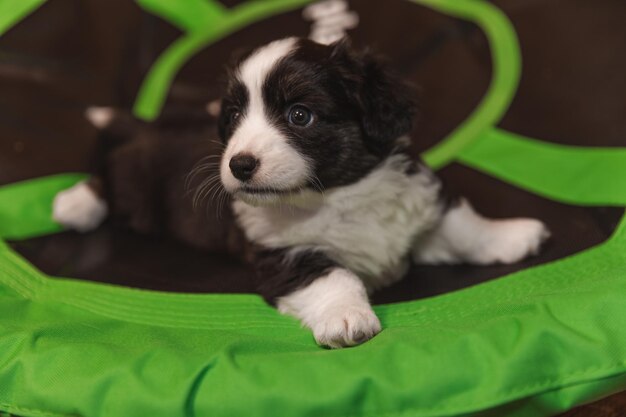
x=464, y=236
x=100, y=117
x=80, y=207
x=335, y=307
x=83, y=207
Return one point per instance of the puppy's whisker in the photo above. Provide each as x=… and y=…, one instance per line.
x=222, y=202
x=210, y=156
x=217, y=142
x=191, y=176
x=196, y=197
x=209, y=187
x=205, y=183
x=200, y=166
x=202, y=189
x=214, y=191
x=315, y=182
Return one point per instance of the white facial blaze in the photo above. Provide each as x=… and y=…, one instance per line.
x=280, y=165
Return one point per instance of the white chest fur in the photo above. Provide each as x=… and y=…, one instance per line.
x=368, y=227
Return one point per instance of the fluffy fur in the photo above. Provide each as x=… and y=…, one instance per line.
x=79, y=208
x=367, y=227
x=465, y=236
x=335, y=308
x=320, y=183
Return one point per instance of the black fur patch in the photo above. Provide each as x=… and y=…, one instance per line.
x=236, y=100
x=279, y=274
x=334, y=141
x=360, y=108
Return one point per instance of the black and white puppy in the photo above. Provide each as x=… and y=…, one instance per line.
x=325, y=191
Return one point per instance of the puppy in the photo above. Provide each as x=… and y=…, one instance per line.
x=319, y=181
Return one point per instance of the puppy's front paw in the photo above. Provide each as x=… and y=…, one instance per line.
x=79, y=208
x=346, y=326
x=513, y=240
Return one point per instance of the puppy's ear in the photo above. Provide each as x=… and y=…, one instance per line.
x=387, y=104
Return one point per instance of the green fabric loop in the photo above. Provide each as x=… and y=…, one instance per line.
x=576, y=175
x=13, y=11
x=217, y=23
x=190, y=15
x=505, y=76
x=531, y=344
x=214, y=26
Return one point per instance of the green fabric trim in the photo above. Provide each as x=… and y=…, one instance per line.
x=207, y=22
x=217, y=23
x=505, y=76
x=188, y=16
x=531, y=344
x=25, y=206
x=575, y=175
x=79, y=348
x=13, y=11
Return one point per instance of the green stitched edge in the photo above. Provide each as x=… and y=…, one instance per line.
x=570, y=279
x=47, y=187
x=215, y=310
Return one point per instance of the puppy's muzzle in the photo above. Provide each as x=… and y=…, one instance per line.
x=243, y=166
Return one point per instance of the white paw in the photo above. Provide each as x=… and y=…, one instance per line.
x=346, y=326
x=100, y=117
x=509, y=241
x=79, y=208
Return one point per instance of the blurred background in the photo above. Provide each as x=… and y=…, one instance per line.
x=66, y=55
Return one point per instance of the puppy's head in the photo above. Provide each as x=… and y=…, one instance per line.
x=299, y=117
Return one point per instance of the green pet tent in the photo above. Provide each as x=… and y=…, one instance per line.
x=533, y=343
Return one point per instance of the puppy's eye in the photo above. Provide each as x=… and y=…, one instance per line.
x=234, y=116
x=300, y=116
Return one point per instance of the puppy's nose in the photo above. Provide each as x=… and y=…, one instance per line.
x=243, y=166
